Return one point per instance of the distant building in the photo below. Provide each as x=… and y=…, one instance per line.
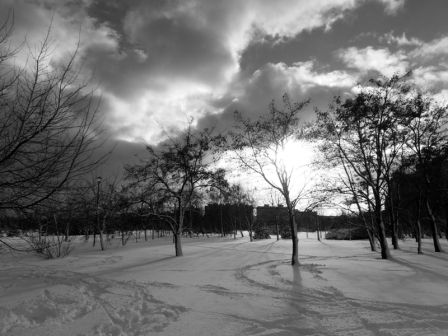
x=227, y=217
x=270, y=216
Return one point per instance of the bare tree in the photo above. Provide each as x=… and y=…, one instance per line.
x=49, y=124
x=173, y=174
x=427, y=145
x=260, y=147
x=242, y=210
x=112, y=200
x=217, y=196
x=364, y=135
x=349, y=193
x=274, y=199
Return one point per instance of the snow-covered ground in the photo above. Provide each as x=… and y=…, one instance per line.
x=226, y=287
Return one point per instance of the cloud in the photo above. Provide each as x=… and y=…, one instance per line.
x=69, y=25
x=427, y=60
x=159, y=62
x=381, y=60
x=441, y=97
x=175, y=58
x=122, y=152
x=401, y=40
x=430, y=77
x=288, y=18
x=301, y=77
x=203, y=40
x=393, y=6
x=432, y=49
x=253, y=94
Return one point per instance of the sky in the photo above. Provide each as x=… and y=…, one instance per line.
x=158, y=63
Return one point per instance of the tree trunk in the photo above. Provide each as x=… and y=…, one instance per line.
x=317, y=228
x=419, y=237
x=385, y=253
x=349, y=230
x=446, y=230
x=276, y=226
x=102, y=234
x=178, y=244
x=67, y=232
x=433, y=223
x=250, y=233
x=393, y=227
x=250, y=224
x=307, y=229
x=324, y=229
x=446, y=220
x=393, y=216
x=371, y=240
x=40, y=232
x=101, y=240
x=370, y=231
x=222, y=225
x=394, y=238
x=234, y=230
x=295, y=240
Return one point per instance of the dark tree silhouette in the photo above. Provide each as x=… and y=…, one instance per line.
x=364, y=136
x=173, y=174
x=49, y=124
x=259, y=147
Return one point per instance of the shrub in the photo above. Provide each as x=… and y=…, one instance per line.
x=286, y=234
x=262, y=232
x=50, y=247
x=346, y=234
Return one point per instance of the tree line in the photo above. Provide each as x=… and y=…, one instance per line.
x=390, y=136
x=384, y=150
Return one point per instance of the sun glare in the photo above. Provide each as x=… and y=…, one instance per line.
x=296, y=155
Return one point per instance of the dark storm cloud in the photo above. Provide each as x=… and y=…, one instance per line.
x=160, y=42
x=171, y=52
x=301, y=81
x=111, y=13
x=159, y=62
x=122, y=153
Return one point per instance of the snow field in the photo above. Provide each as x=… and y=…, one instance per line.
x=226, y=287
x=66, y=303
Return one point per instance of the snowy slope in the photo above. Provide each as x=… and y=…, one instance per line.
x=226, y=287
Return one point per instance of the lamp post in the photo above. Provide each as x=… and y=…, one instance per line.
x=98, y=179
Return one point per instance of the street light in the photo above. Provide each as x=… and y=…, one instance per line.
x=98, y=179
